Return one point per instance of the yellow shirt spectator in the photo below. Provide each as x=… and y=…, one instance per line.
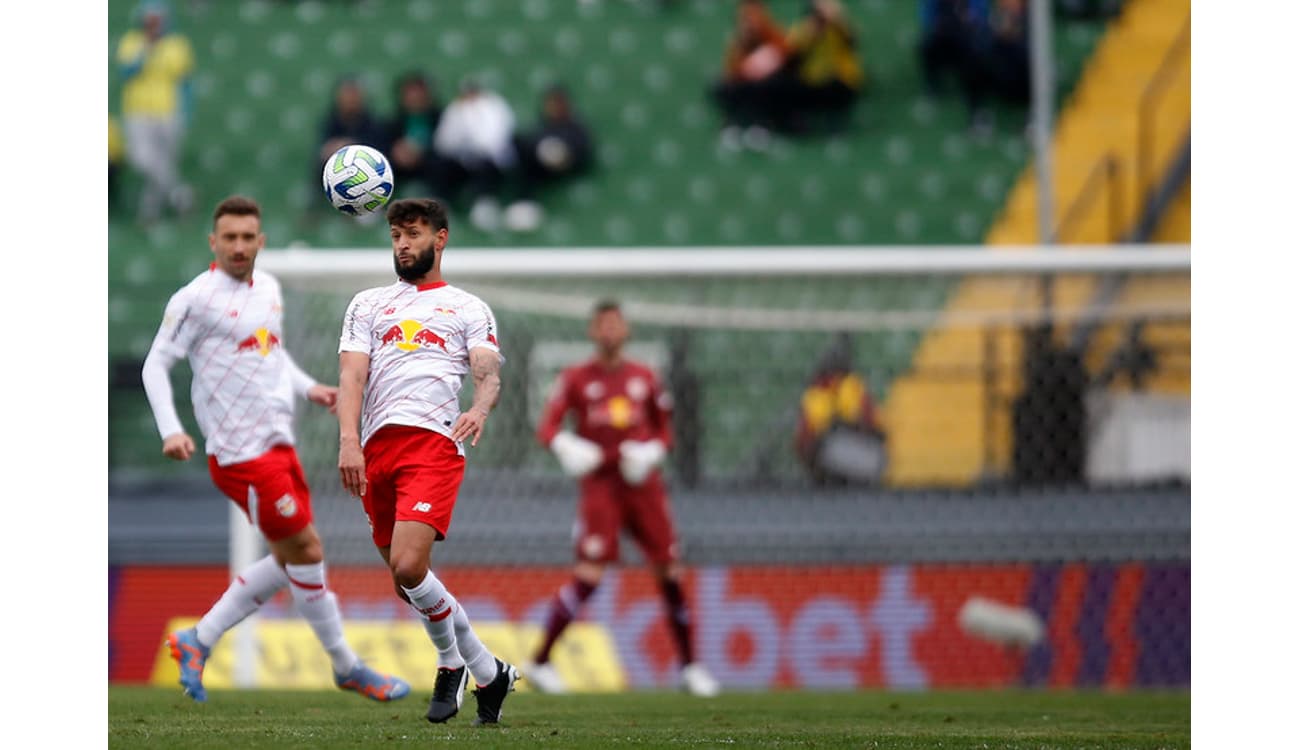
x=826, y=50
x=156, y=89
x=116, y=149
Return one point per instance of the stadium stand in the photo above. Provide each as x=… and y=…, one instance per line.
x=639, y=71
x=1125, y=126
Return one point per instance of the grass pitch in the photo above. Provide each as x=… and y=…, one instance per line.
x=1016, y=720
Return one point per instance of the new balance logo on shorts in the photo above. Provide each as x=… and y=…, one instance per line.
x=422, y=507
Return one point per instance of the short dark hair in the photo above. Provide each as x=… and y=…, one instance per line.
x=606, y=305
x=237, y=205
x=407, y=210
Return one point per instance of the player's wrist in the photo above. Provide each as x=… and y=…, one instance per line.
x=349, y=439
x=480, y=409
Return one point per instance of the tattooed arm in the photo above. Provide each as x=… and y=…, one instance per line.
x=485, y=368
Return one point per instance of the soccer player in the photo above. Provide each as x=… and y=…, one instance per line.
x=403, y=355
x=624, y=430
x=227, y=321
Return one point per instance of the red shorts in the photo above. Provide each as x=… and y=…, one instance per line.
x=282, y=504
x=609, y=505
x=412, y=474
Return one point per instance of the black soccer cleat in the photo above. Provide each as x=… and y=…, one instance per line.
x=491, y=696
x=448, y=692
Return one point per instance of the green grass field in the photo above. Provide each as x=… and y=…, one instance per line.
x=1039, y=720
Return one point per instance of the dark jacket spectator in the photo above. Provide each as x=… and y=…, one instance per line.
x=409, y=142
x=559, y=147
x=349, y=121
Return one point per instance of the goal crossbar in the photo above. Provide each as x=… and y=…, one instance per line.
x=301, y=263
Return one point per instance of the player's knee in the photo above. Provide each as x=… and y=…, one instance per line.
x=408, y=570
x=589, y=573
x=303, y=548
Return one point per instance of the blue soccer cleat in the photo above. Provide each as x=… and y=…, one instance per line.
x=373, y=685
x=190, y=655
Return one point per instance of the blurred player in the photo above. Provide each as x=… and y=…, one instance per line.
x=623, y=432
x=227, y=321
x=403, y=355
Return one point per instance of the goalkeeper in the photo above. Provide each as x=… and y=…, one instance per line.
x=623, y=431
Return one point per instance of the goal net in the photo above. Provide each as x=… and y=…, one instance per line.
x=972, y=366
x=825, y=397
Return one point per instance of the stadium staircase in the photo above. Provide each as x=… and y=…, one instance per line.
x=638, y=72
x=1126, y=125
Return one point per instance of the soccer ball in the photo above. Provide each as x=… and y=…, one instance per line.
x=358, y=180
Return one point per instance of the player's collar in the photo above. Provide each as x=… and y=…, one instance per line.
x=213, y=267
x=430, y=285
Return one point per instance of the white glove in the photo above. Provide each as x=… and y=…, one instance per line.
x=578, y=456
x=637, y=458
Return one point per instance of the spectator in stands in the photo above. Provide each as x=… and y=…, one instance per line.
x=409, y=144
x=947, y=44
x=475, y=142
x=559, y=147
x=1008, y=55
x=757, y=83
x=349, y=121
x=999, y=62
x=838, y=437
x=986, y=44
x=828, y=73
x=155, y=63
x=115, y=153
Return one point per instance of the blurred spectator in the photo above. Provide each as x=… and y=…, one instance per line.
x=1090, y=9
x=116, y=150
x=557, y=148
x=1000, y=64
x=986, y=45
x=838, y=437
x=409, y=145
x=349, y=121
x=828, y=73
x=475, y=142
x=155, y=63
x=756, y=87
x=1008, y=55
x=947, y=31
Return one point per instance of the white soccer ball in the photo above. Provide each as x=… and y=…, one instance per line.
x=358, y=180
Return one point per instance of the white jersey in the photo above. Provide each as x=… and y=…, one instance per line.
x=418, y=339
x=243, y=379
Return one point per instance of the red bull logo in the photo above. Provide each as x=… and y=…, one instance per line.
x=410, y=335
x=262, y=341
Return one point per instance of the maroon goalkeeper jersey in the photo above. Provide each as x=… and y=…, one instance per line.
x=610, y=405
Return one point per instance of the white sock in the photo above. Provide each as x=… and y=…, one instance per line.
x=435, y=605
x=252, y=588
x=320, y=608
x=482, y=664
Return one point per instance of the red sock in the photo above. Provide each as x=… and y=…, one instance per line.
x=563, y=609
x=679, y=619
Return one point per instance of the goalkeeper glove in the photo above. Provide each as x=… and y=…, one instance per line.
x=578, y=456
x=637, y=458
